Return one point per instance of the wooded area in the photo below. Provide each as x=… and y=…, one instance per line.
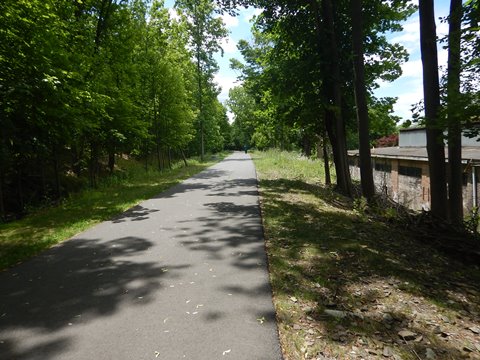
x=84, y=81
x=311, y=71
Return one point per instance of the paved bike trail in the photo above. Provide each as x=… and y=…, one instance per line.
x=180, y=276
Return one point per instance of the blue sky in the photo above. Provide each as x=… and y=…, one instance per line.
x=408, y=88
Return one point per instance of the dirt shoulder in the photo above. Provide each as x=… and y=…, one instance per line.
x=350, y=287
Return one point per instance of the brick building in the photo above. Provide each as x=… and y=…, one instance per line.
x=402, y=172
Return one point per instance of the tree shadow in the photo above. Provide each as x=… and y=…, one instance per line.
x=328, y=257
x=204, y=180
x=136, y=213
x=79, y=281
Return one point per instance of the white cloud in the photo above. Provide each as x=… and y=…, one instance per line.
x=230, y=21
x=226, y=83
x=405, y=100
x=412, y=68
x=442, y=29
x=173, y=14
x=410, y=36
x=250, y=13
x=228, y=45
x=231, y=117
x=409, y=87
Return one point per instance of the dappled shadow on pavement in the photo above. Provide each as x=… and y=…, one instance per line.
x=206, y=180
x=72, y=284
x=137, y=213
x=211, y=220
x=369, y=278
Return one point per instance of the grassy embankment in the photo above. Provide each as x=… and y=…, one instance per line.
x=22, y=239
x=346, y=285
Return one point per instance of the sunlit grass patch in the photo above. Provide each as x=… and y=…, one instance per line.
x=345, y=284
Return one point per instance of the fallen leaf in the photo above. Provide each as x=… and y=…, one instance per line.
x=293, y=298
x=407, y=335
x=387, y=352
x=474, y=329
x=261, y=320
x=157, y=354
x=226, y=351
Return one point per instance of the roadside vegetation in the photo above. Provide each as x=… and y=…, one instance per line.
x=48, y=226
x=348, y=285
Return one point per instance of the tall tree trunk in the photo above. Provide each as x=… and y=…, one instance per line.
x=454, y=120
x=327, y=123
x=184, y=158
x=307, y=146
x=146, y=155
x=169, y=158
x=200, y=87
x=56, y=171
x=21, y=201
x=326, y=161
x=111, y=160
x=431, y=91
x=103, y=16
x=2, y=200
x=159, y=157
x=76, y=166
x=344, y=182
x=200, y=109
x=366, y=174
x=93, y=164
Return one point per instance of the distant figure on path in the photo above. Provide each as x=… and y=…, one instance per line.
x=245, y=148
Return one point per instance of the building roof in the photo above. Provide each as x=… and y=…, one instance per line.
x=417, y=153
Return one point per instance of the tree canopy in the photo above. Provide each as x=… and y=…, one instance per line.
x=83, y=81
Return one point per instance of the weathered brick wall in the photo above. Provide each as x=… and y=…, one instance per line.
x=412, y=192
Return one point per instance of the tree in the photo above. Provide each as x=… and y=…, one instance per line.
x=431, y=90
x=334, y=93
x=366, y=174
x=205, y=31
x=83, y=81
x=454, y=120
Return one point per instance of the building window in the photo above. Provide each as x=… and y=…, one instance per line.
x=410, y=171
x=383, y=167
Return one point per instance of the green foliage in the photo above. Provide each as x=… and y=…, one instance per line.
x=82, y=81
x=285, y=76
x=472, y=221
x=205, y=31
x=360, y=206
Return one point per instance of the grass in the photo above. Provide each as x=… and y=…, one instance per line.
x=44, y=228
x=346, y=284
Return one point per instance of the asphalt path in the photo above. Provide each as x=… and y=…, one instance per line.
x=180, y=276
